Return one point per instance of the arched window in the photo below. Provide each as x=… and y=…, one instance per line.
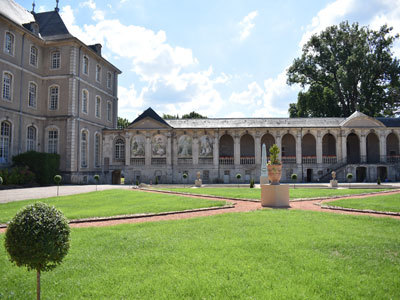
x=5, y=141
x=32, y=95
x=84, y=149
x=33, y=58
x=97, y=107
x=97, y=150
x=9, y=43
x=85, y=97
x=53, y=101
x=52, y=141
x=55, y=59
x=119, y=149
x=7, y=86
x=85, y=65
x=31, y=139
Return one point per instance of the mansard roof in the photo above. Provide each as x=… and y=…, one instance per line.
x=50, y=24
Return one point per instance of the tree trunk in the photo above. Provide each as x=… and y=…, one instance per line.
x=38, y=284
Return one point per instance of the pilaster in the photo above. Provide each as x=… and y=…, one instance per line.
x=257, y=150
x=169, y=149
x=319, y=147
x=382, y=147
x=216, y=149
x=236, y=149
x=147, y=159
x=195, y=150
x=298, y=148
x=363, y=147
x=127, y=149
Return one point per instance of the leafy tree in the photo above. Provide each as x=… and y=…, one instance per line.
x=122, y=123
x=37, y=238
x=193, y=115
x=97, y=179
x=169, y=117
x=347, y=68
x=57, y=180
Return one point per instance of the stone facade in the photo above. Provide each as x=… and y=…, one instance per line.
x=220, y=148
x=44, y=79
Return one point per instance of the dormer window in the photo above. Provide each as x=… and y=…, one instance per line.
x=33, y=58
x=9, y=43
x=98, y=73
x=55, y=59
x=86, y=65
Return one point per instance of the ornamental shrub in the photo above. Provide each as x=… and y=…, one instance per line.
x=251, y=183
x=17, y=176
x=37, y=238
x=1, y=180
x=43, y=165
x=57, y=179
x=294, y=178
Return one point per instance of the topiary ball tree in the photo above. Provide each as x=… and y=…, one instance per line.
x=57, y=180
x=37, y=238
x=349, y=176
x=294, y=178
x=184, y=176
x=97, y=178
x=238, y=176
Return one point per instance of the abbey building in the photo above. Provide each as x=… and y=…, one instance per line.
x=59, y=95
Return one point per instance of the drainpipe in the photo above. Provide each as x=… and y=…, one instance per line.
x=20, y=97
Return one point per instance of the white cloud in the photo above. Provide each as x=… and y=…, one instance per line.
x=252, y=96
x=90, y=3
x=98, y=15
x=246, y=25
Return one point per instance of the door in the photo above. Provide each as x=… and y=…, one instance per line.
x=309, y=175
x=116, y=177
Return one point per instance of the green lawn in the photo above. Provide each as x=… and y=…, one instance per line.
x=267, y=254
x=247, y=193
x=378, y=203
x=111, y=203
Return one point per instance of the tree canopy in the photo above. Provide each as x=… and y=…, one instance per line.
x=192, y=115
x=347, y=68
x=122, y=123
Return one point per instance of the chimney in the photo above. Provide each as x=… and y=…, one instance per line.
x=96, y=48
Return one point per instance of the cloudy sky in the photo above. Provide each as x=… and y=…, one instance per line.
x=217, y=57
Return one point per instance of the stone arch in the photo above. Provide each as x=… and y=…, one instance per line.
x=288, y=146
x=392, y=148
x=309, y=149
x=226, y=146
x=373, y=153
x=328, y=145
x=119, y=148
x=267, y=139
x=353, y=148
x=247, y=145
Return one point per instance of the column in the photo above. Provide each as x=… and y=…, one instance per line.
x=363, y=147
x=169, y=150
x=343, y=138
x=236, y=149
x=195, y=150
x=175, y=151
x=257, y=150
x=278, y=141
x=148, y=151
x=319, y=147
x=216, y=150
x=298, y=149
x=127, y=150
x=382, y=147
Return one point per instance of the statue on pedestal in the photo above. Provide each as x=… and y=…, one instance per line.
x=264, y=170
x=198, y=181
x=333, y=183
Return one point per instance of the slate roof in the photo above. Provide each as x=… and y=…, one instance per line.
x=15, y=12
x=255, y=122
x=149, y=113
x=50, y=24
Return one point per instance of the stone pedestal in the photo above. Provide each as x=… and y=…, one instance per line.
x=333, y=183
x=263, y=180
x=274, y=195
x=197, y=183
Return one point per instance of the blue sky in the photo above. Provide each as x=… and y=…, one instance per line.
x=219, y=58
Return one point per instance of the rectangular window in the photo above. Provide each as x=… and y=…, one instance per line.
x=84, y=150
x=31, y=139
x=97, y=107
x=55, y=60
x=85, y=101
x=7, y=84
x=98, y=73
x=5, y=142
x=85, y=65
x=97, y=150
x=109, y=111
x=53, y=98
x=109, y=80
x=33, y=59
x=9, y=43
x=53, y=141
x=32, y=94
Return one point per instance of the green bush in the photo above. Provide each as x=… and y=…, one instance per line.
x=37, y=238
x=1, y=180
x=43, y=165
x=379, y=181
x=251, y=183
x=57, y=179
x=17, y=176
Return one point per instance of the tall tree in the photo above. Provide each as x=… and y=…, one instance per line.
x=122, y=123
x=169, y=117
x=347, y=68
x=193, y=115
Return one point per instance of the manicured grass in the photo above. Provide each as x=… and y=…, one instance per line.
x=111, y=203
x=378, y=203
x=247, y=193
x=267, y=254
